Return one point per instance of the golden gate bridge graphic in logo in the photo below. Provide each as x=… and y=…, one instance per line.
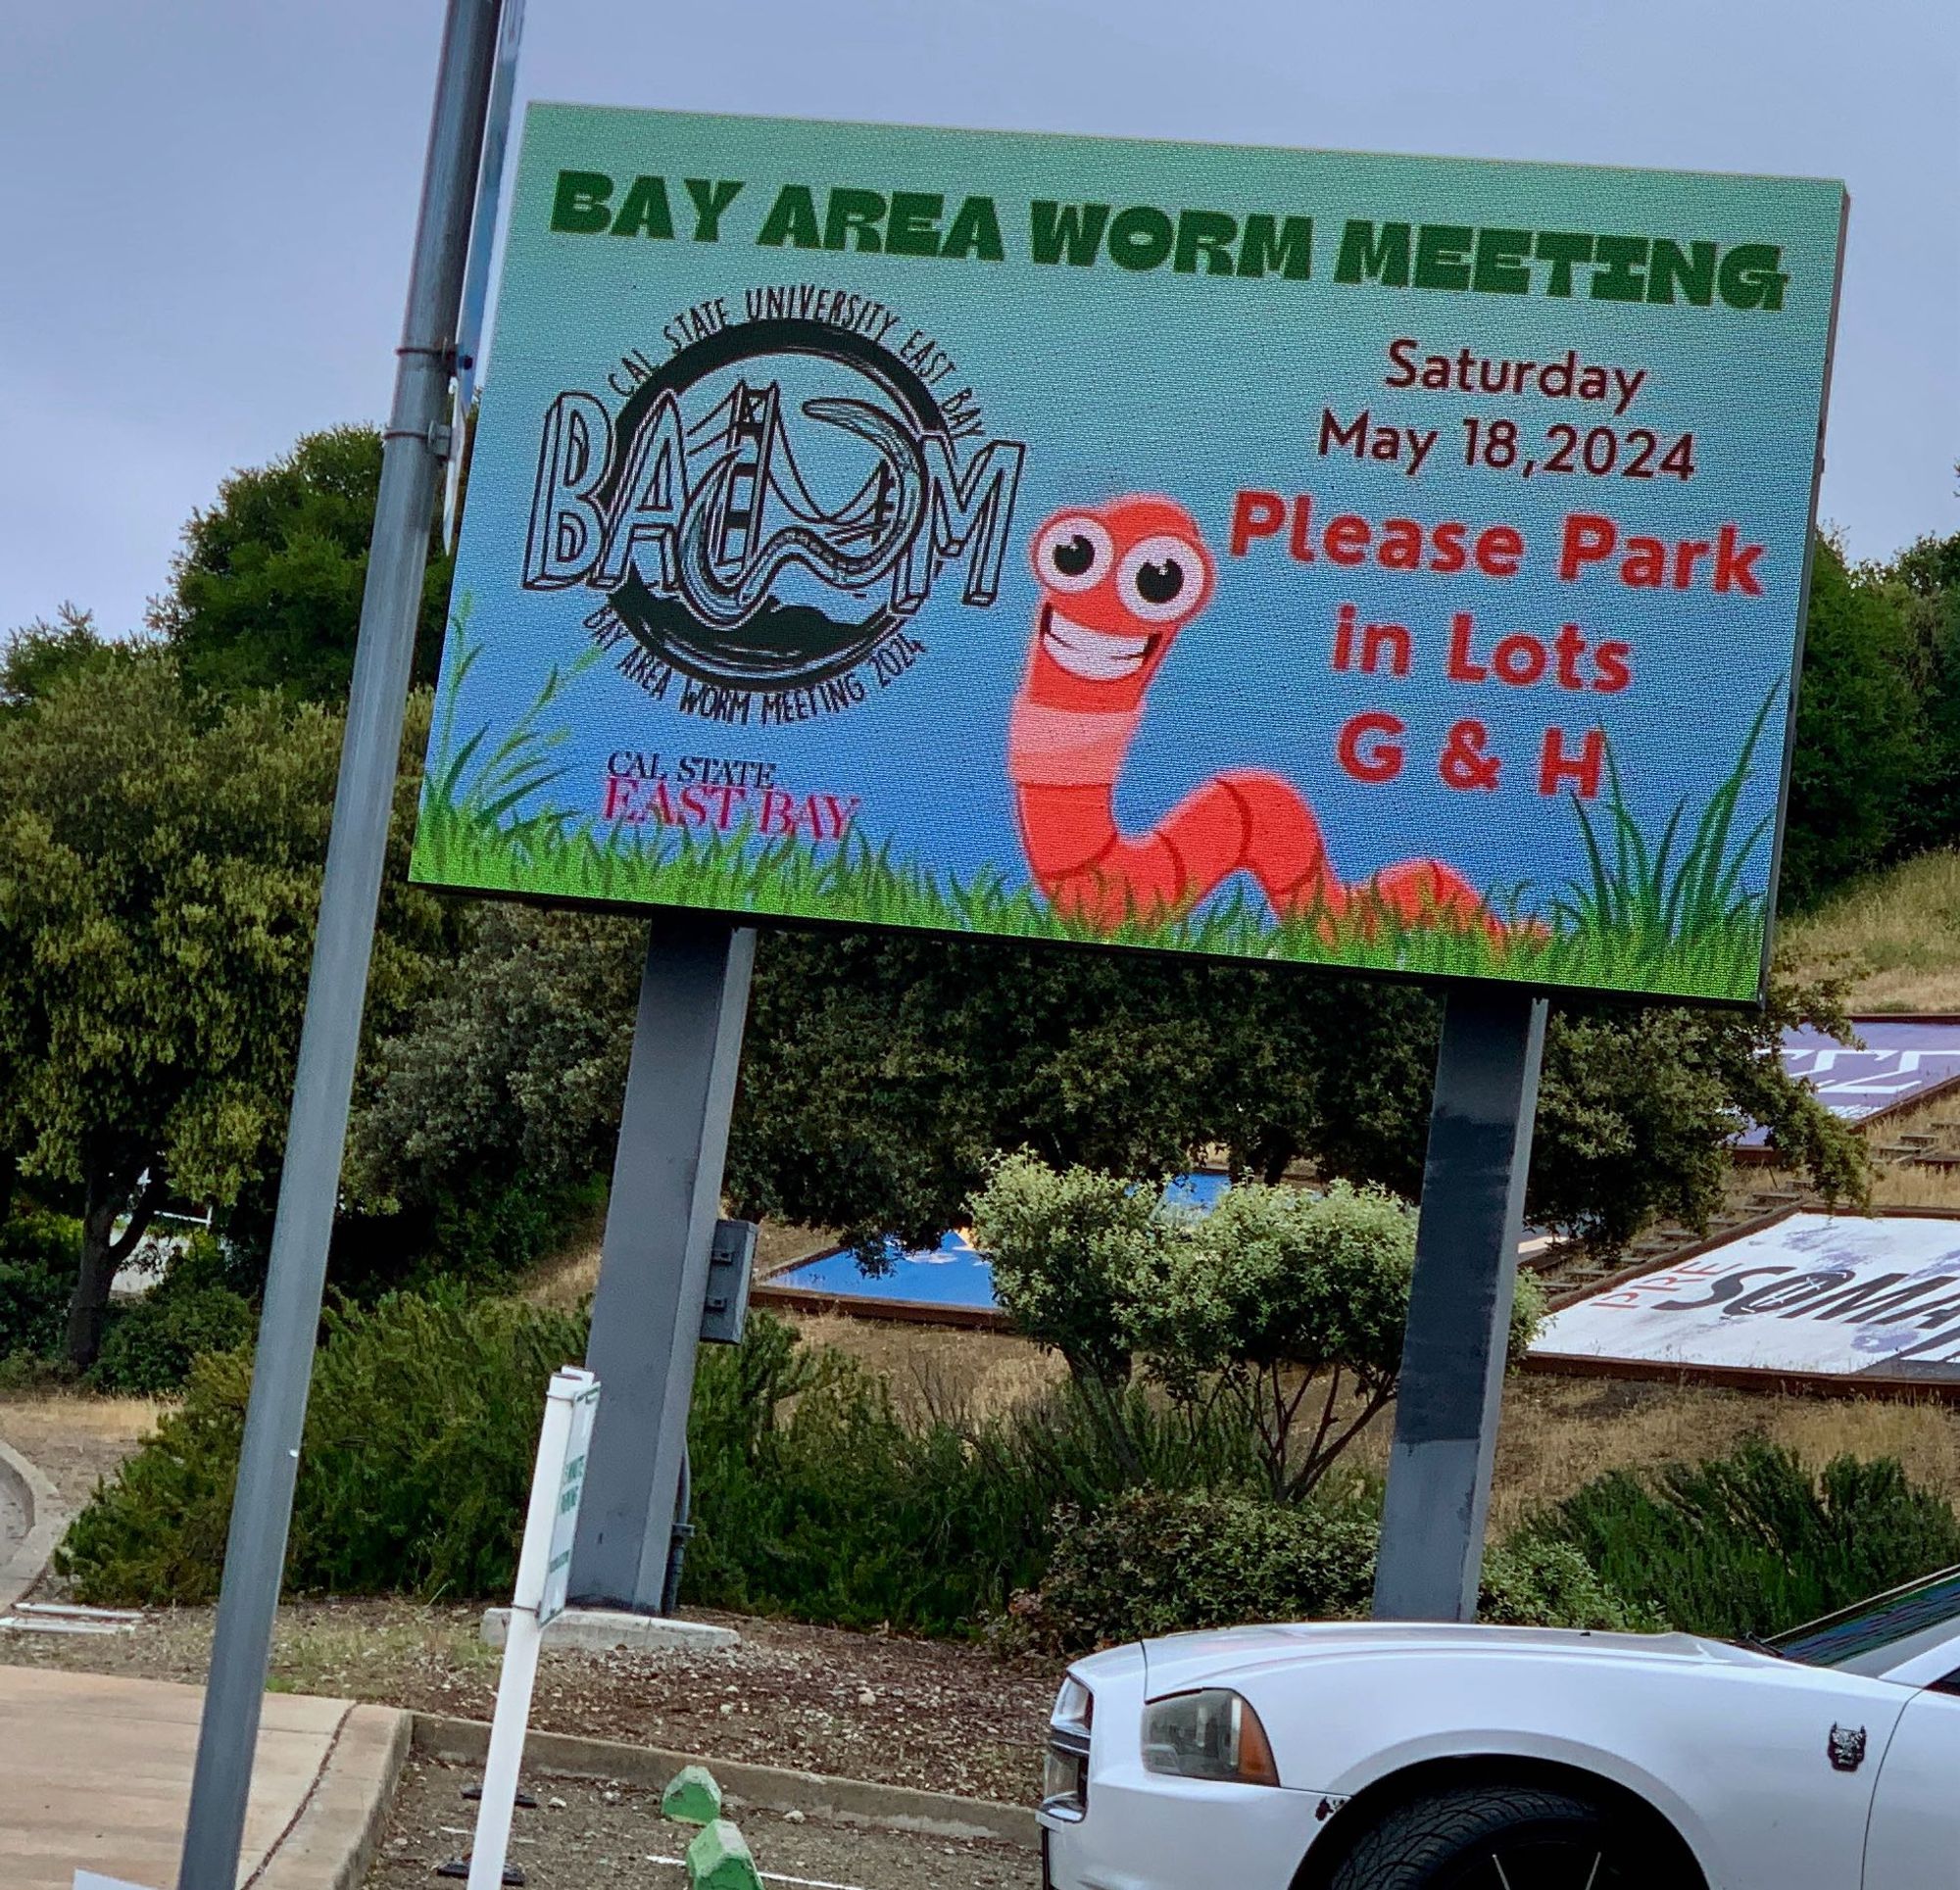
x=774, y=538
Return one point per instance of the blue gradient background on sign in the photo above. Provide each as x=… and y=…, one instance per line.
x=1195, y=386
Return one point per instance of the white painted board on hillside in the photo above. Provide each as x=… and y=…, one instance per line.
x=88, y=1880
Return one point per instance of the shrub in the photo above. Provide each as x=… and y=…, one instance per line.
x=1752, y=1543
x=38, y=1256
x=419, y=1442
x=1154, y=1563
x=814, y=1497
x=151, y=1342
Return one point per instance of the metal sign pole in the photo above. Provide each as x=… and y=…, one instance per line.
x=653, y=1266
x=412, y=461
x=1459, y=1318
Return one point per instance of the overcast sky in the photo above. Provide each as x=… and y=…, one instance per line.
x=206, y=205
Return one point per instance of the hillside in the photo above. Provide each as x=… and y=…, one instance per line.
x=1896, y=937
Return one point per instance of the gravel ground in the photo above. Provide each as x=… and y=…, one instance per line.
x=585, y=1836
x=943, y=1716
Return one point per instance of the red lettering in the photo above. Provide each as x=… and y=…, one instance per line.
x=1462, y=668
x=1391, y=637
x=778, y=814
x=1588, y=539
x=1347, y=540
x=620, y=799
x=1382, y=760
x=1583, y=769
x=1255, y=515
x=1615, y=670
x=1571, y=646
x=1499, y=550
x=1736, y=570
x=1519, y=660
x=1449, y=541
x=1301, y=542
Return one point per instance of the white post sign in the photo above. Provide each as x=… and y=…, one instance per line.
x=544, y=1572
x=571, y=1487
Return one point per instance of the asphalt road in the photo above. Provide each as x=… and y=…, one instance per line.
x=593, y=1837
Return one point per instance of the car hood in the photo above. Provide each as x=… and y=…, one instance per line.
x=1179, y=1660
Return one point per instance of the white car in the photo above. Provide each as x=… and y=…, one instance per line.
x=1409, y=1756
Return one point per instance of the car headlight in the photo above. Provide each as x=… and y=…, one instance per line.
x=1213, y=1734
x=1065, y=1773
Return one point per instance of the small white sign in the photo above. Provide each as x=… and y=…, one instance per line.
x=88, y=1880
x=570, y=1489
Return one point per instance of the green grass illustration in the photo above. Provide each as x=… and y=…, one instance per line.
x=1667, y=916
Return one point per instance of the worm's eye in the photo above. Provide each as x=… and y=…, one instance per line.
x=1163, y=578
x=1073, y=552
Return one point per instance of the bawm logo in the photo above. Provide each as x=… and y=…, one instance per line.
x=769, y=504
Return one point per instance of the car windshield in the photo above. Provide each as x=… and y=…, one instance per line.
x=1876, y=1635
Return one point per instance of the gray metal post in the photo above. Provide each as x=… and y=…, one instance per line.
x=329, y=1039
x=1466, y=1270
x=652, y=1273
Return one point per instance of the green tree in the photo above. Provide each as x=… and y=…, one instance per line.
x=266, y=593
x=1860, y=753
x=880, y=1075
x=1069, y=1247
x=513, y=1061
x=1926, y=578
x=1278, y=1297
x=160, y=873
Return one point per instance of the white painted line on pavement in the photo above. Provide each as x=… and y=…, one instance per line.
x=769, y=1876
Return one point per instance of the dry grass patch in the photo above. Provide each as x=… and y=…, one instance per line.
x=941, y=1371
x=75, y=1439
x=1896, y=937
x=1558, y=1433
x=566, y=1279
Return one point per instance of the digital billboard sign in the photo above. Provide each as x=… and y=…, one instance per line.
x=1387, y=563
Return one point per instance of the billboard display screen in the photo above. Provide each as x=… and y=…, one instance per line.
x=1385, y=562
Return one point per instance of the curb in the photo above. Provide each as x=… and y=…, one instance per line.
x=46, y=1522
x=333, y=1840
x=771, y=1788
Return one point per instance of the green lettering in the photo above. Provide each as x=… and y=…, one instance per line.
x=645, y=212
x=1208, y=234
x=915, y=227
x=792, y=220
x=977, y=231
x=578, y=205
x=1363, y=253
x=1502, y=266
x=1141, y=237
x=1563, y=249
x=1692, y=270
x=1752, y=276
x=710, y=201
x=854, y=213
x=1066, y=231
x=1271, y=245
x=1442, y=256
x=1618, y=276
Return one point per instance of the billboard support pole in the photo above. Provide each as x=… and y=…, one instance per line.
x=652, y=1273
x=413, y=452
x=1459, y=1318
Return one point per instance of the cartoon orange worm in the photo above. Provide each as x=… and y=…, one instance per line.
x=1119, y=583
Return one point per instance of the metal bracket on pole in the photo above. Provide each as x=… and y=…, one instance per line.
x=262, y=1507
x=1459, y=1317
x=661, y=1222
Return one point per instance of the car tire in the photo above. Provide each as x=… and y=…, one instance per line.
x=1488, y=1838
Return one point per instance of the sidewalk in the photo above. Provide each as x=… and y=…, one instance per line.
x=95, y=1772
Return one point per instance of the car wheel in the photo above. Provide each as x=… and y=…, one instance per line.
x=1497, y=1838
